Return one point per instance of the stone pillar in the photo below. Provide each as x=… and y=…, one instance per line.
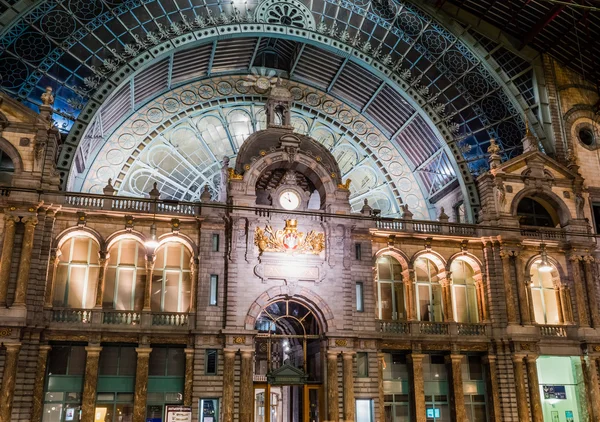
x=150, y=260
x=25, y=262
x=511, y=314
x=527, y=284
x=417, y=392
x=141, y=384
x=522, y=406
x=247, y=387
x=592, y=385
x=188, y=384
x=90, y=382
x=8, y=380
x=103, y=262
x=10, y=222
x=447, y=298
x=565, y=304
x=380, y=363
x=194, y=282
x=591, y=291
x=228, y=380
x=457, y=397
x=522, y=292
x=534, y=389
x=52, y=268
x=492, y=388
x=332, y=386
x=580, y=299
x=411, y=308
x=484, y=315
x=38, y=387
x=349, y=406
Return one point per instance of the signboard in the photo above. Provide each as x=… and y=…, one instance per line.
x=433, y=413
x=556, y=392
x=176, y=413
x=70, y=415
x=569, y=415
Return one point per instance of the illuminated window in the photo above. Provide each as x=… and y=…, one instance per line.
x=171, y=279
x=77, y=274
x=429, y=292
x=125, y=276
x=390, y=289
x=544, y=295
x=464, y=292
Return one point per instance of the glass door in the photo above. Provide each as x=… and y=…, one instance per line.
x=313, y=403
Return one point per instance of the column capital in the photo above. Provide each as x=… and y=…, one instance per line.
x=93, y=350
x=518, y=358
x=189, y=351
x=588, y=259
x=229, y=352
x=454, y=357
x=30, y=220
x=12, y=347
x=143, y=350
x=45, y=348
x=246, y=353
x=574, y=257
x=11, y=218
x=416, y=356
x=490, y=358
x=332, y=353
x=348, y=354
x=531, y=358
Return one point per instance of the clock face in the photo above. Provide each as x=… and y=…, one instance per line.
x=289, y=200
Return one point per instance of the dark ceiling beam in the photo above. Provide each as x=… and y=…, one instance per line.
x=541, y=24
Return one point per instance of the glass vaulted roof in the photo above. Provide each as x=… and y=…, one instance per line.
x=433, y=91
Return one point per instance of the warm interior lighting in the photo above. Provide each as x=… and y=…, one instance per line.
x=544, y=266
x=152, y=242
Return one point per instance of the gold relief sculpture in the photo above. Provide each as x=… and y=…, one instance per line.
x=233, y=175
x=5, y=332
x=345, y=185
x=289, y=239
x=239, y=340
x=341, y=343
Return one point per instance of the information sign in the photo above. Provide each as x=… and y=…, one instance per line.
x=176, y=413
x=556, y=392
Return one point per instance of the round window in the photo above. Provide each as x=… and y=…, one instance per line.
x=587, y=137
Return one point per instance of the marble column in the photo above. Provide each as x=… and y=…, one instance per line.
x=90, y=382
x=228, y=380
x=247, y=387
x=348, y=369
x=25, y=262
x=38, y=387
x=411, y=308
x=580, y=298
x=188, y=385
x=511, y=314
x=522, y=406
x=417, y=392
x=457, y=396
x=565, y=305
x=103, y=263
x=492, y=388
x=484, y=315
x=522, y=292
x=7, y=389
x=194, y=282
x=141, y=383
x=52, y=268
x=332, y=386
x=591, y=291
x=592, y=385
x=10, y=222
x=534, y=389
x=527, y=285
x=447, y=298
x=380, y=364
x=150, y=260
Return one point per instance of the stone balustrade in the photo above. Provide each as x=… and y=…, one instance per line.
x=93, y=317
x=419, y=328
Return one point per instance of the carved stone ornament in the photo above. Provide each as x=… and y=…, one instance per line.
x=345, y=185
x=341, y=342
x=5, y=332
x=239, y=340
x=289, y=240
x=233, y=175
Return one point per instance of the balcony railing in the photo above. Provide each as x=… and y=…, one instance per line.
x=433, y=328
x=121, y=318
x=98, y=317
x=547, y=233
x=428, y=227
x=553, y=331
x=71, y=316
x=170, y=319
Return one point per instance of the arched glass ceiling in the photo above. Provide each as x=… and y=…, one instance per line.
x=85, y=49
x=178, y=140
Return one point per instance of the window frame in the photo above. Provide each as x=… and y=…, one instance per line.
x=213, y=287
x=395, y=284
x=216, y=353
x=161, y=273
x=469, y=287
x=70, y=264
x=119, y=267
x=360, y=296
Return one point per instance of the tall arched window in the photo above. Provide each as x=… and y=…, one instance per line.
x=536, y=212
x=171, y=279
x=544, y=295
x=7, y=169
x=77, y=274
x=429, y=291
x=464, y=292
x=125, y=276
x=390, y=289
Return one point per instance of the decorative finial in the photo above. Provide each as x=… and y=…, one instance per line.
x=154, y=193
x=47, y=97
x=366, y=209
x=493, y=149
x=109, y=189
x=527, y=130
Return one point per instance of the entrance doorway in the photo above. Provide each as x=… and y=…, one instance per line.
x=288, y=365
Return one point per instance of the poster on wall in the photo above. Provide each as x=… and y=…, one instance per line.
x=556, y=392
x=70, y=415
x=555, y=417
x=176, y=413
x=569, y=415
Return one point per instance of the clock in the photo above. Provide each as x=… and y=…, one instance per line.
x=289, y=199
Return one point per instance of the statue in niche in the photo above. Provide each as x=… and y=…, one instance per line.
x=224, y=179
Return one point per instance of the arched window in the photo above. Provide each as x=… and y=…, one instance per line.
x=171, y=279
x=429, y=291
x=7, y=168
x=544, y=295
x=125, y=276
x=464, y=292
x=534, y=212
x=390, y=289
x=77, y=274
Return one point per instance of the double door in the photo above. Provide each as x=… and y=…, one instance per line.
x=288, y=403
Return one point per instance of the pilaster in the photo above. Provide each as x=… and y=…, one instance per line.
x=38, y=387
x=90, y=381
x=417, y=392
x=228, y=380
x=10, y=222
x=9, y=376
x=580, y=298
x=25, y=262
x=348, y=368
x=522, y=406
x=102, y=262
x=534, y=389
x=246, y=387
x=492, y=387
x=588, y=263
x=457, y=397
x=188, y=385
x=511, y=314
x=141, y=383
x=332, y=386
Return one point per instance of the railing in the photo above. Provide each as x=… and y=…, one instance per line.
x=427, y=227
x=132, y=205
x=437, y=328
x=538, y=232
x=462, y=230
x=72, y=316
x=84, y=201
x=553, y=331
x=170, y=319
x=260, y=378
x=121, y=317
x=471, y=329
x=395, y=327
x=396, y=225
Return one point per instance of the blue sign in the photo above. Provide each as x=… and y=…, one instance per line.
x=556, y=392
x=433, y=413
x=153, y=419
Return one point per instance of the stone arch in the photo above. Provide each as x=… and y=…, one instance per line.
x=71, y=232
x=469, y=258
x=558, y=274
x=178, y=238
x=435, y=257
x=14, y=155
x=126, y=234
x=311, y=300
x=562, y=212
x=397, y=254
